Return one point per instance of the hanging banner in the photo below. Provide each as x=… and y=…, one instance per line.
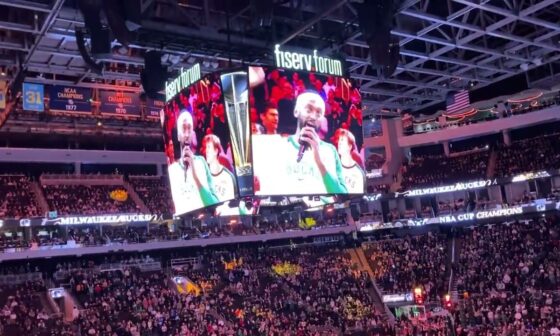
x=70, y=99
x=3, y=90
x=153, y=108
x=120, y=102
x=33, y=95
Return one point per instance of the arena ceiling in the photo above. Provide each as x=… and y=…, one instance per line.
x=444, y=44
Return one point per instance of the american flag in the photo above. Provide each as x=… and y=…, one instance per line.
x=457, y=101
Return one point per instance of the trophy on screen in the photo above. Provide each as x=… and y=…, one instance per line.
x=235, y=92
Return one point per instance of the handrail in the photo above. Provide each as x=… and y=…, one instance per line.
x=449, y=286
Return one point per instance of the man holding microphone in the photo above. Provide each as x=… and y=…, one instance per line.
x=190, y=177
x=302, y=163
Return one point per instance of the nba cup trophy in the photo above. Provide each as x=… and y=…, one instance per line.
x=235, y=92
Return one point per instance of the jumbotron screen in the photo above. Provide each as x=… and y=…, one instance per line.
x=306, y=133
x=197, y=146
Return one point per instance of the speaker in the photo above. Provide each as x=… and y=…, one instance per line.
x=154, y=75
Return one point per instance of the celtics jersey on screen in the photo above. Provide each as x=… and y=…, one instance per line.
x=279, y=173
x=224, y=185
x=354, y=178
x=186, y=195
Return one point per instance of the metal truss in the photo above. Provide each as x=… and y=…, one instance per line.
x=445, y=44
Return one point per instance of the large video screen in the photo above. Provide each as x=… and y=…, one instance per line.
x=306, y=133
x=198, y=148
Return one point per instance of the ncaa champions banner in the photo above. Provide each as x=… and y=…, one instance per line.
x=120, y=103
x=153, y=108
x=3, y=89
x=70, y=99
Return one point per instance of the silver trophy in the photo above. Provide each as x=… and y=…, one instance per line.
x=235, y=90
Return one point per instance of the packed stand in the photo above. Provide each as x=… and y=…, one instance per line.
x=313, y=291
x=316, y=291
x=400, y=265
x=18, y=198
x=529, y=155
x=86, y=200
x=154, y=192
x=22, y=312
x=425, y=171
x=508, y=277
x=130, y=302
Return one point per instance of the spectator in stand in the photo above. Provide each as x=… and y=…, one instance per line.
x=530, y=155
x=427, y=171
x=154, y=192
x=400, y=265
x=18, y=199
x=86, y=200
x=508, y=276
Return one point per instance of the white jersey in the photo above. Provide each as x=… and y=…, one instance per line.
x=354, y=179
x=224, y=185
x=186, y=196
x=279, y=173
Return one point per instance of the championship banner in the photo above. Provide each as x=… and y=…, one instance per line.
x=70, y=99
x=33, y=95
x=153, y=108
x=120, y=103
x=3, y=90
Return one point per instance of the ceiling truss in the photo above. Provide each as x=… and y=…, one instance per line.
x=445, y=45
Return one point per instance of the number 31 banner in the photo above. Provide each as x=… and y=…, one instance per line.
x=33, y=95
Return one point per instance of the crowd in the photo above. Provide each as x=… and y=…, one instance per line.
x=508, y=277
x=22, y=313
x=154, y=192
x=70, y=199
x=423, y=171
x=401, y=265
x=529, y=155
x=17, y=198
x=309, y=291
x=97, y=235
x=282, y=291
x=130, y=302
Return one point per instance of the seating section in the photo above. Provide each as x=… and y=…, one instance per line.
x=401, y=265
x=23, y=313
x=86, y=200
x=425, y=171
x=530, y=155
x=17, y=199
x=154, y=192
x=508, y=276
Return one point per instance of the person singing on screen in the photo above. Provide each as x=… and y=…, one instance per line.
x=354, y=176
x=190, y=177
x=302, y=163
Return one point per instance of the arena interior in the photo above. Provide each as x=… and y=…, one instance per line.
x=272, y=167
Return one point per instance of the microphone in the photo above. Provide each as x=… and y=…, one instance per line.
x=303, y=145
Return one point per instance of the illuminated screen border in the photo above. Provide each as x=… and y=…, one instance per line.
x=268, y=70
x=216, y=79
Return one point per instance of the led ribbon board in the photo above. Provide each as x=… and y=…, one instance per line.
x=307, y=62
x=183, y=80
